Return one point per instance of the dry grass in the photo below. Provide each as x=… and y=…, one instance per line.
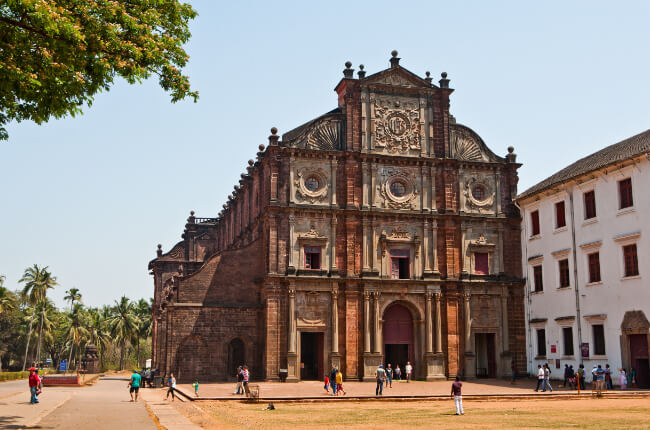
x=395, y=415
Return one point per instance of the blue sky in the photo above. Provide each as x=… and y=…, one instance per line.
x=91, y=196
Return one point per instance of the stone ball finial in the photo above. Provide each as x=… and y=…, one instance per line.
x=191, y=213
x=348, y=64
x=159, y=246
x=444, y=75
x=225, y=206
x=511, y=149
x=274, y=131
x=361, y=66
x=251, y=162
x=427, y=73
x=394, y=53
x=261, y=147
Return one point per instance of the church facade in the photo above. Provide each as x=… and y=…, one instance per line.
x=380, y=232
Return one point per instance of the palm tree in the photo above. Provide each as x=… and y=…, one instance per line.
x=143, y=311
x=73, y=295
x=98, y=333
x=77, y=331
x=7, y=302
x=124, y=323
x=37, y=281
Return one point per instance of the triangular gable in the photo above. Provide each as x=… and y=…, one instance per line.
x=398, y=77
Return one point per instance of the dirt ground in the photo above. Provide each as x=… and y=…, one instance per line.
x=396, y=415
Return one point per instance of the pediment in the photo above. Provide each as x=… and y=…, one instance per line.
x=398, y=77
x=466, y=145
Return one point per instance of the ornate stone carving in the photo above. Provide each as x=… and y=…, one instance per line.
x=465, y=146
x=479, y=193
x=397, y=125
x=395, y=180
x=326, y=134
x=312, y=234
x=312, y=184
x=399, y=233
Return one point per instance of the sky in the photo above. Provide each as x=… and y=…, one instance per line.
x=92, y=196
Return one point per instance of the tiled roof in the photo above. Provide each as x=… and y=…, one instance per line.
x=628, y=148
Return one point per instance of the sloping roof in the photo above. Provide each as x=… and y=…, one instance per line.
x=626, y=149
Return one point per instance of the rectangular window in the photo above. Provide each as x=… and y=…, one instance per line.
x=541, y=342
x=534, y=223
x=625, y=193
x=538, y=279
x=400, y=263
x=567, y=335
x=481, y=266
x=599, y=339
x=594, y=267
x=312, y=257
x=590, y=204
x=564, y=273
x=560, y=218
x=630, y=260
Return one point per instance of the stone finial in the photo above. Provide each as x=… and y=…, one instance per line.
x=236, y=188
x=444, y=82
x=191, y=213
x=261, y=147
x=511, y=157
x=251, y=162
x=273, y=138
x=361, y=73
x=394, y=61
x=191, y=218
x=349, y=71
x=159, y=250
x=428, y=78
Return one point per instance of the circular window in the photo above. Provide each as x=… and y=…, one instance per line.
x=478, y=192
x=312, y=184
x=397, y=188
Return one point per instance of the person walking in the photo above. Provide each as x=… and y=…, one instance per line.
x=245, y=377
x=632, y=378
x=240, y=377
x=622, y=379
x=326, y=387
x=398, y=373
x=608, y=377
x=195, y=385
x=333, y=380
x=339, y=383
x=380, y=374
x=540, y=377
x=456, y=394
x=35, y=385
x=581, y=377
x=408, y=370
x=172, y=386
x=389, y=376
x=134, y=385
x=147, y=378
x=567, y=375
x=572, y=378
x=547, y=378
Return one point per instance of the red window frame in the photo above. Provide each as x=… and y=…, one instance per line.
x=534, y=222
x=590, y=204
x=560, y=215
x=565, y=279
x=630, y=260
x=312, y=257
x=481, y=263
x=625, y=193
x=538, y=278
x=594, y=267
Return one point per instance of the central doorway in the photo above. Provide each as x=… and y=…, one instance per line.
x=236, y=355
x=486, y=366
x=639, y=359
x=398, y=336
x=311, y=356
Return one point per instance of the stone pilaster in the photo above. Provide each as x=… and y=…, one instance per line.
x=292, y=356
x=470, y=357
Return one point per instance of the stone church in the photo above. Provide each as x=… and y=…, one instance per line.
x=380, y=232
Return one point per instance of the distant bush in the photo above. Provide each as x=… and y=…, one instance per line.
x=11, y=376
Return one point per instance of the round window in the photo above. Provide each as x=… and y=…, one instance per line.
x=397, y=188
x=478, y=192
x=311, y=183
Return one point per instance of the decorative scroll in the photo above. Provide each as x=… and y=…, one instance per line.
x=312, y=195
x=397, y=126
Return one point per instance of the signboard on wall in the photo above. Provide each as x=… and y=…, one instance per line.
x=585, y=350
x=553, y=349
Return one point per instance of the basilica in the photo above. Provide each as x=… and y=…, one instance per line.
x=383, y=231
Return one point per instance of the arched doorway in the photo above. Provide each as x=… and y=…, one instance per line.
x=236, y=356
x=398, y=336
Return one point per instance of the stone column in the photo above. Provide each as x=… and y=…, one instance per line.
x=504, y=320
x=332, y=246
x=466, y=234
x=292, y=222
x=434, y=246
x=377, y=328
x=364, y=185
x=426, y=234
x=365, y=247
x=428, y=340
x=292, y=320
x=497, y=186
x=433, y=187
x=366, y=321
x=335, y=321
x=333, y=166
x=499, y=252
x=292, y=162
x=438, y=324
x=470, y=358
x=373, y=183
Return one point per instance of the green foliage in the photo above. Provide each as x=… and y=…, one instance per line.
x=56, y=55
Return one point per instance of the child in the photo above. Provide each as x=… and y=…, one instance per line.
x=327, y=384
x=339, y=383
x=196, y=387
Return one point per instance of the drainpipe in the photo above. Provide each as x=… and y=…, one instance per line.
x=575, y=272
x=529, y=360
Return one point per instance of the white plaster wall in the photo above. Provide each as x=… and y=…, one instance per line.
x=615, y=294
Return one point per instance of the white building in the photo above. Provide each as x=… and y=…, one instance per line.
x=586, y=258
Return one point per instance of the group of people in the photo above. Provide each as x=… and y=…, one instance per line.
x=386, y=375
x=335, y=381
x=600, y=377
x=141, y=379
x=242, y=376
x=543, y=377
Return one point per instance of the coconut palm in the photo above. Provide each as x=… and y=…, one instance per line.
x=7, y=302
x=77, y=332
x=73, y=295
x=143, y=312
x=98, y=332
x=123, y=324
x=37, y=281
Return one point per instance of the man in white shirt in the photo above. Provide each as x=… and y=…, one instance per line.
x=408, y=369
x=540, y=377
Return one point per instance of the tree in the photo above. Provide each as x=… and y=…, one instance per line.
x=98, y=333
x=57, y=55
x=37, y=281
x=143, y=311
x=7, y=300
x=77, y=332
x=124, y=323
x=73, y=295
